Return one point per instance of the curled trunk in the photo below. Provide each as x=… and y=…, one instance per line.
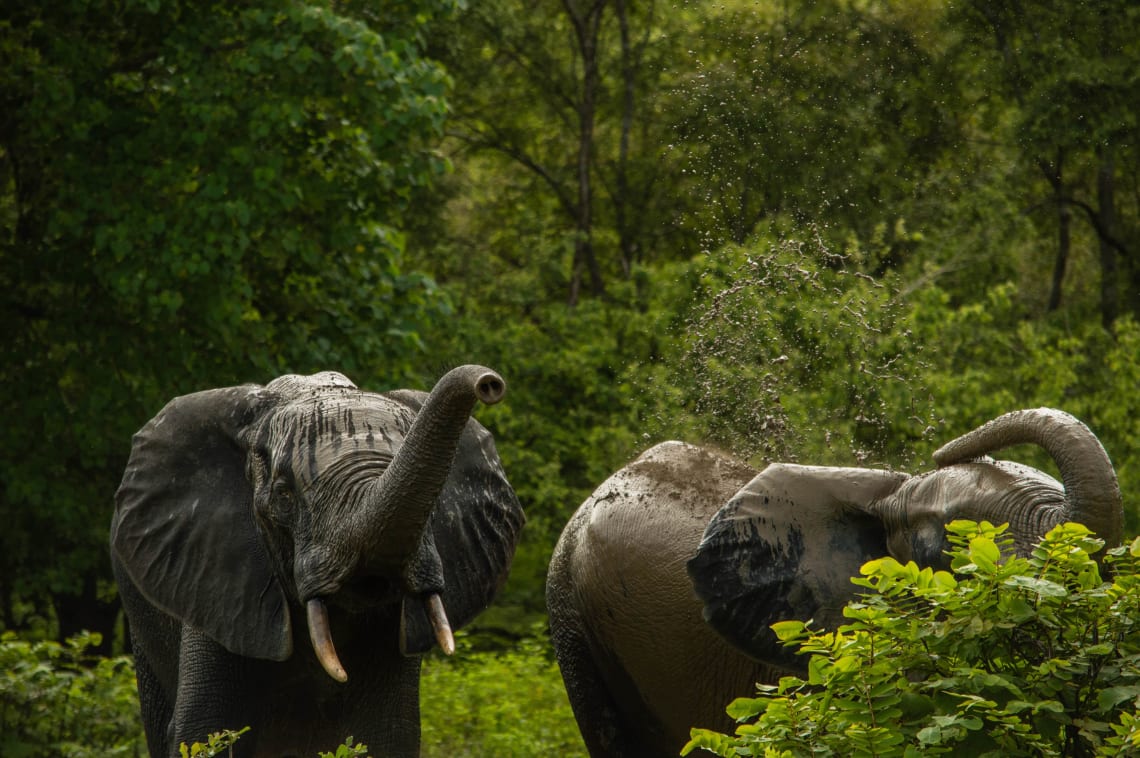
x=1091, y=490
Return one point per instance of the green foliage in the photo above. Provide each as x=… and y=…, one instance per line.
x=222, y=742
x=58, y=700
x=787, y=114
x=348, y=750
x=535, y=85
x=509, y=704
x=193, y=195
x=216, y=744
x=1002, y=656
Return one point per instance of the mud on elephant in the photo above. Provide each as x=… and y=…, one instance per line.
x=664, y=584
x=249, y=514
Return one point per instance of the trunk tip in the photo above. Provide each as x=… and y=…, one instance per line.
x=490, y=388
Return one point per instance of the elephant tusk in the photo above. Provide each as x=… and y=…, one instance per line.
x=321, y=637
x=440, y=623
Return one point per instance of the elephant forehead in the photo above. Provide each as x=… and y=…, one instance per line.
x=959, y=491
x=314, y=433
x=995, y=491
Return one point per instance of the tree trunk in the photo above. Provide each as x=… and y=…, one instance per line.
x=1055, y=175
x=586, y=26
x=626, y=241
x=1106, y=217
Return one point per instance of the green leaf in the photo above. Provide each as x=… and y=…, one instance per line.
x=704, y=739
x=744, y=708
x=788, y=630
x=1038, y=585
x=1110, y=697
x=930, y=735
x=984, y=553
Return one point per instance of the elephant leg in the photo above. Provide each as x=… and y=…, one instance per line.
x=154, y=639
x=384, y=702
x=217, y=690
x=157, y=711
x=607, y=730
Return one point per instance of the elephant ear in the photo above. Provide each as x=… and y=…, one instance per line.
x=785, y=547
x=475, y=528
x=184, y=527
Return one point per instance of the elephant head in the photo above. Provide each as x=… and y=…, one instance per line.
x=787, y=544
x=241, y=503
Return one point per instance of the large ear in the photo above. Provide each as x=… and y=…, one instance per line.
x=785, y=547
x=184, y=527
x=475, y=528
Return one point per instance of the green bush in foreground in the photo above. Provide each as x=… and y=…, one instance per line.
x=58, y=700
x=1003, y=657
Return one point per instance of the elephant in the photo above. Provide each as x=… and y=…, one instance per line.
x=379, y=522
x=664, y=584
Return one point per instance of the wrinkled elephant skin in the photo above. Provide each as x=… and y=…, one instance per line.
x=286, y=553
x=640, y=665
x=664, y=584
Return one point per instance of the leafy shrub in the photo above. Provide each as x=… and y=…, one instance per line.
x=221, y=743
x=504, y=704
x=58, y=700
x=218, y=743
x=1022, y=656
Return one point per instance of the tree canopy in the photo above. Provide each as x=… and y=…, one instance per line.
x=191, y=195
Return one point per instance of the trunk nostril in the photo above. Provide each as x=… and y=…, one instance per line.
x=490, y=388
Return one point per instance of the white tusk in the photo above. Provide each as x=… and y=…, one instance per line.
x=440, y=624
x=321, y=637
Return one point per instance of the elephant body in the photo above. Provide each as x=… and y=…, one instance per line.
x=665, y=582
x=190, y=686
x=653, y=669
x=248, y=514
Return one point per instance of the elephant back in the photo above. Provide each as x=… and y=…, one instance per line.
x=619, y=571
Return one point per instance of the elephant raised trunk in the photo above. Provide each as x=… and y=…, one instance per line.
x=1091, y=490
x=394, y=515
x=403, y=498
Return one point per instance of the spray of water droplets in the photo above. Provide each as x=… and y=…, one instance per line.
x=790, y=353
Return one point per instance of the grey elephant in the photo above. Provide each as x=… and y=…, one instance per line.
x=378, y=522
x=664, y=584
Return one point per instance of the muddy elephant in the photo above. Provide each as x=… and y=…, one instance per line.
x=665, y=582
x=373, y=524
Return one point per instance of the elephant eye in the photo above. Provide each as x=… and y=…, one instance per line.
x=283, y=495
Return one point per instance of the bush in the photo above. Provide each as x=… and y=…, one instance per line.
x=504, y=704
x=58, y=700
x=1021, y=656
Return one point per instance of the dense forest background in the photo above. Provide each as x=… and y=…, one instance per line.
x=838, y=232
